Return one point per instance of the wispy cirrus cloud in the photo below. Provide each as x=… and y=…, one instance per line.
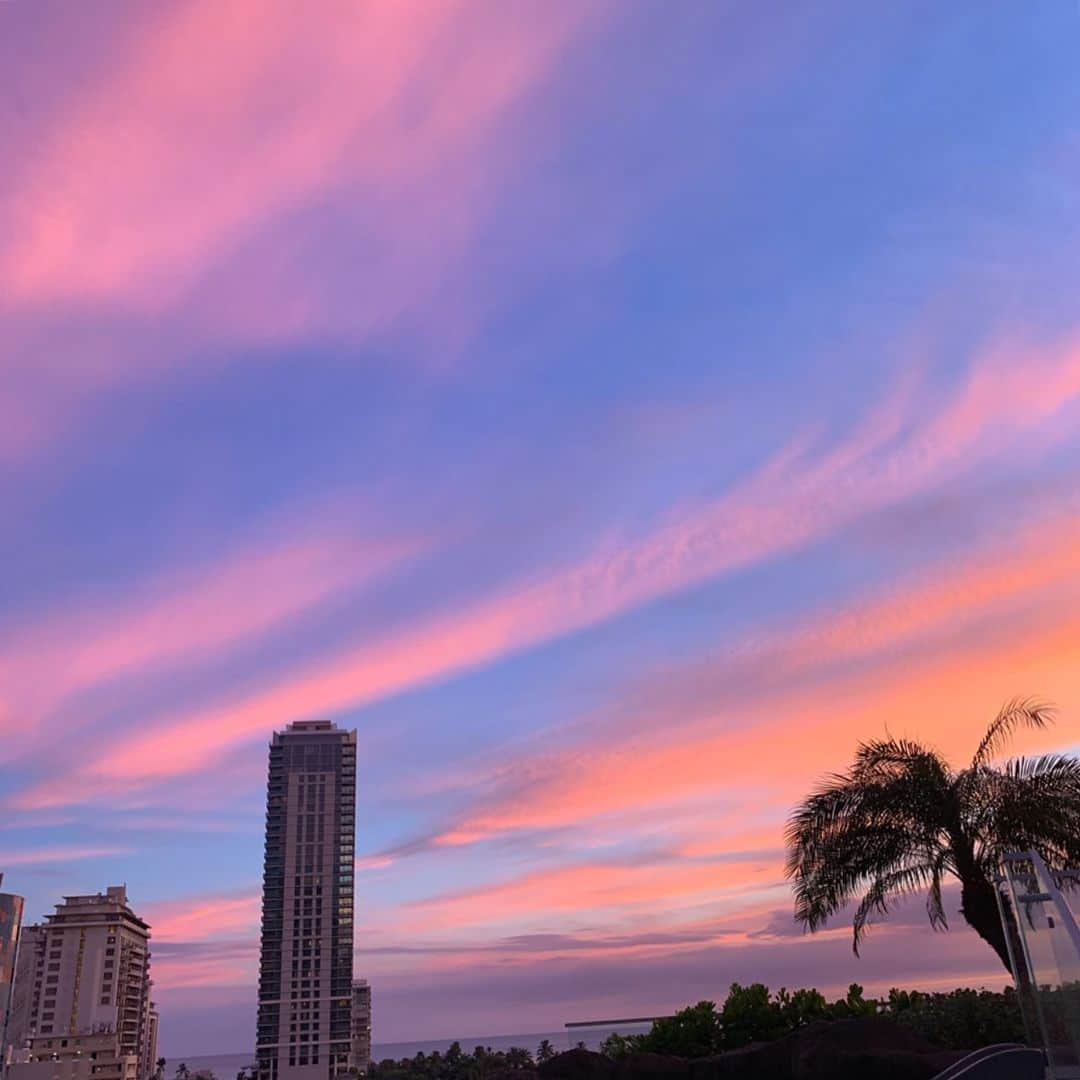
x=205, y=940
x=184, y=617
x=820, y=674
x=797, y=498
x=40, y=856
x=600, y=886
x=147, y=199
x=204, y=917
x=426, y=253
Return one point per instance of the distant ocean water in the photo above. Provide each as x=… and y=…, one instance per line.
x=226, y=1066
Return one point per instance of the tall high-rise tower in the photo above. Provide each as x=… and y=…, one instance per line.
x=305, y=970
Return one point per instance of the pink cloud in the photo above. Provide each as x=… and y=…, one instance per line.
x=595, y=888
x=209, y=125
x=206, y=131
x=793, y=500
x=203, y=941
x=44, y=855
x=704, y=737
x=182, y=618
x=226, y=966
x=202, y=918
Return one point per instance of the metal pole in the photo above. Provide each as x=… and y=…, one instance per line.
x=1021, y=989
x=1051, y=1071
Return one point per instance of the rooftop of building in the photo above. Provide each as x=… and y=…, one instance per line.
x=315, y=727
x=114, y=901
x=112, y=894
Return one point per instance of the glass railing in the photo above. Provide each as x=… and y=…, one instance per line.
x=1041, y=929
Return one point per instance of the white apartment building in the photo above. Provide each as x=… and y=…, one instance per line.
x=82, y=993
x=73, y=1057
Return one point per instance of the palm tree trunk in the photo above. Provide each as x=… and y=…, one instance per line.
x=979, y=907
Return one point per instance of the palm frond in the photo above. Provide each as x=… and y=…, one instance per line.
x=884, y=888
x=900, y=820
x=1046, y=767
x=1018, y=713
x=865, y=825
x=885, y=757
x=1038, y=806
x=935, y=907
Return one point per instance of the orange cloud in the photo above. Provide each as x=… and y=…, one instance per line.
x=805, y=734
x=775, y=737
x=599, y=887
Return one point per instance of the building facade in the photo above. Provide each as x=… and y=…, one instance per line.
x=11, y=907
x=84, y=976
x=361, y=1025
x=305, y=970
x=73, y=1057
x=21, y=1012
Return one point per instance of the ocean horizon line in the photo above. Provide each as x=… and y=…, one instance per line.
x=528, y=1040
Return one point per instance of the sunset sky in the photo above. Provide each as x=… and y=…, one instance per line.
x=613, y=409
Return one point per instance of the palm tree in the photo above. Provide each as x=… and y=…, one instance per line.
x=901, y=820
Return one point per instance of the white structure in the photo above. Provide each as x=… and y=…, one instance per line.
x=73, y=1057
x=305, y=968
x=1039, y=912
x=82, y=993
x=361, y=1026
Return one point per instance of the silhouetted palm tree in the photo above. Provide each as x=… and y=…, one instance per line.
x=901, y=820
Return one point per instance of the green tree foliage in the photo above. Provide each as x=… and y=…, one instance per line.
x=455, y=1064
x=691, y=1032
x=901, y=820
x=961, y=1020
